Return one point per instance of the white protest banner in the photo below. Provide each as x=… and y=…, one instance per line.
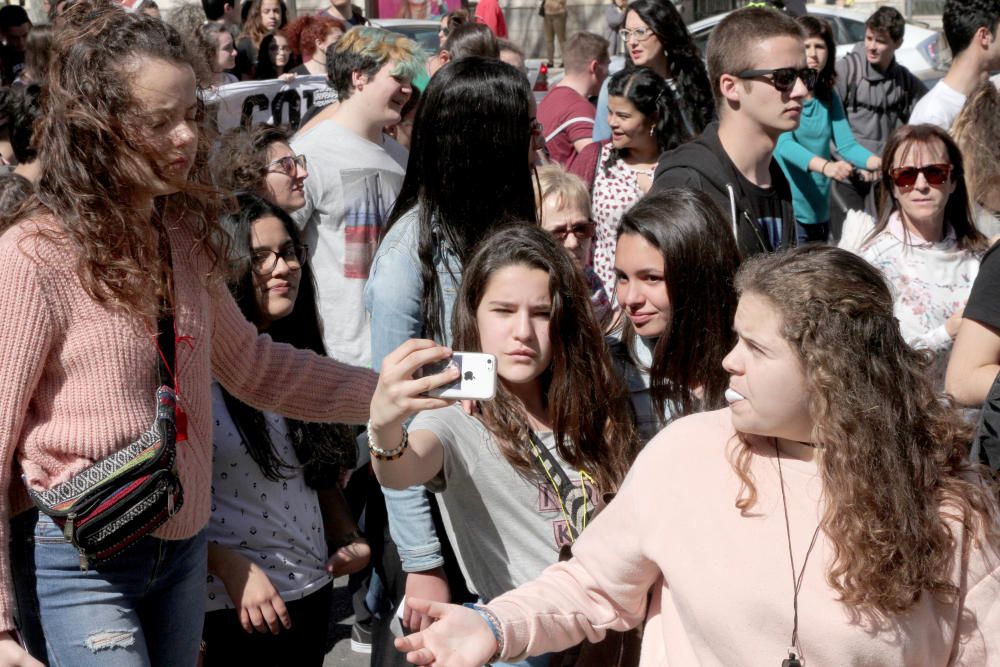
x=253, y=102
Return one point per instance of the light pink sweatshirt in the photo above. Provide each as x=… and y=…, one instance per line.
x=77, y=381
x=721, y=582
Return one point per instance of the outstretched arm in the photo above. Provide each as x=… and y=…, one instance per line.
x=603, y=587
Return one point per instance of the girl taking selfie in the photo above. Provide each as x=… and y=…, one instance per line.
x=518, y=481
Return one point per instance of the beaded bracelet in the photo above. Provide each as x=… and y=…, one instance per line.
x=495, y=627
x=386, y=454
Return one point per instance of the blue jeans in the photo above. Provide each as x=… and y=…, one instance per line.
x=145, y=607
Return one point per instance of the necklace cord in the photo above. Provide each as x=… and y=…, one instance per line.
x=796, y=583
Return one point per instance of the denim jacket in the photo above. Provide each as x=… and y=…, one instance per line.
x=393, y=298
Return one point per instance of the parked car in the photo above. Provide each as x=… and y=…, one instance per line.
x=423, y=31
x=924, y=51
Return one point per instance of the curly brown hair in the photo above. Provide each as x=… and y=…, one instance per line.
x=95, y=158
x=239, y=162
x=977, y=132
x=304, y=32
x=892, y=453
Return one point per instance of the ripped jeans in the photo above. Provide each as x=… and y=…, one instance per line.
x=145, y=607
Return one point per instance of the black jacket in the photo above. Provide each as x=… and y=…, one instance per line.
x=703, y=164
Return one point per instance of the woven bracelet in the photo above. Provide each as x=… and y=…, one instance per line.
x=494, y=624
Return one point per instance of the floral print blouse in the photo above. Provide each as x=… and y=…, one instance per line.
x=615, y=191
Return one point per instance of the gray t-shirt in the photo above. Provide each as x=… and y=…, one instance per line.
x=351, y=188
x=505, y=528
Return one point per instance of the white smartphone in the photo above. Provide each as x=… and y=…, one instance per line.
x=477, y=376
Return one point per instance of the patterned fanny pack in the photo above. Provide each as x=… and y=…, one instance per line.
x=109, y=506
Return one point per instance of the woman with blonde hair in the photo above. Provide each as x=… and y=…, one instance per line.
x=564, y=212
x=831, y=503
x=977, y=133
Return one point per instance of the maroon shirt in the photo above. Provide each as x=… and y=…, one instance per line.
x=560, y=105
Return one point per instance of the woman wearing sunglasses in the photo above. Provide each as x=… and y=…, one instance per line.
x=804, y=153
x=925, y=242
x=259, y=160
x=564, y=207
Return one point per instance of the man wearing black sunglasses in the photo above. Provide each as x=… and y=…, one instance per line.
x=757, y=65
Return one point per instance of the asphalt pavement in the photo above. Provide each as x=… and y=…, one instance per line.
x=339, y=635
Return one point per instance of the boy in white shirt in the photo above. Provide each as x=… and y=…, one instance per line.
x=970, y=26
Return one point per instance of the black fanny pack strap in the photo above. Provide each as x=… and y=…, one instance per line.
x=165, y=334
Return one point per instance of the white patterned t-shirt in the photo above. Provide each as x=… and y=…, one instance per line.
x=275, y=524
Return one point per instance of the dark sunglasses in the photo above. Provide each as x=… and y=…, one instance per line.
x=906, y=177
x=581, y=230
x=783, y=78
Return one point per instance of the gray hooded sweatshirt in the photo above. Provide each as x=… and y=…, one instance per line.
x=876, y=102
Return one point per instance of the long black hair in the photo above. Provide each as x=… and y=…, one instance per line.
x=468, y=169
x=265, y=62
x=700, y=259
x=816, y=27
x=652, y=98
x=322, y=448
x=686, y=65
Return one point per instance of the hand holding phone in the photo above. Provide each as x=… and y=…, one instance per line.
x=401, y=392
x=477, y=376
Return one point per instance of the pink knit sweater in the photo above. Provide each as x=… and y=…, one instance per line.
x=721, y=581
x=77, y=380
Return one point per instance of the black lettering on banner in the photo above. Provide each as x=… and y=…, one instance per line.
x=294, y=102
x=252, y=103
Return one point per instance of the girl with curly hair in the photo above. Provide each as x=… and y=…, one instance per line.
x=310, y=37
x=122, y=233
x=977, y=133
x=804, y=153
x=655, y=37
x=260, y=161
x=831, y=504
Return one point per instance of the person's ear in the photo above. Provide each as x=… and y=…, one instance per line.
x=730, y=87
x=592, y=67
x=358, y=80
x=984, y=36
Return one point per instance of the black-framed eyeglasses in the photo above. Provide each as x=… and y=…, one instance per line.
x=783, y=78
x=288, y=165
x=264, y=260
x=581, y=230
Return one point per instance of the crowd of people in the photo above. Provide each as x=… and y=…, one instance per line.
x=689, y=276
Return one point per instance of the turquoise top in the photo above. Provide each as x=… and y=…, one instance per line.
x=820, y=123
